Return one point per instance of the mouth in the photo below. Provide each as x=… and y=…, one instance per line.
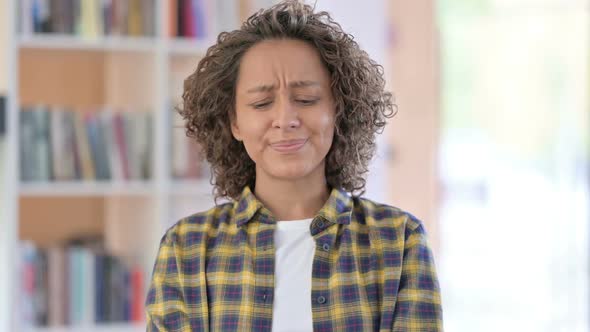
x=288, y=145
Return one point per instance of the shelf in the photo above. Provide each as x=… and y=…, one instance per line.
x=188, y=46
x=177, y=46
x=77, y=188
x=106, y=327
x=200, y=187
x=106, y=43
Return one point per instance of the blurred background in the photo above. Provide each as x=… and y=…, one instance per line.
x=490, y=148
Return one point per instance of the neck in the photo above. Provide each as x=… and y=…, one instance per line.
x=292, y=200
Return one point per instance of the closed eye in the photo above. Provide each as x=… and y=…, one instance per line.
x=306, y=102
x=261, y=105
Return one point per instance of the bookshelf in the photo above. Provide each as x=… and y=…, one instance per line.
x=143, y=74
x=87, y=73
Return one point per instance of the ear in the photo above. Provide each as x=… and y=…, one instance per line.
x=235, y=130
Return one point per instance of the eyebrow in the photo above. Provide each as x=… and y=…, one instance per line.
x=294, y=84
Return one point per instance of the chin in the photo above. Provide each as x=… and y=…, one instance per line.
x=290, y=172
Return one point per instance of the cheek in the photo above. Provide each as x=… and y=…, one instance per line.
x=328, y=138
x=325, y=126
x=251, y=127
x=253, y=133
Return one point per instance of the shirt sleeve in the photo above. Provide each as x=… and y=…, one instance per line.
x=418, y=307
x=165, y=305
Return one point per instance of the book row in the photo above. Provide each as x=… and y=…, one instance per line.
x=88, y=18
x=57, y=144
x=78, y=285
x=201, y=19
x=188, y=18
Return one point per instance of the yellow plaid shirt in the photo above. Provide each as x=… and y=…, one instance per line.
x=372, y=270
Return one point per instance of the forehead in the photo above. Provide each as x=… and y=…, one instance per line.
x=281, y=62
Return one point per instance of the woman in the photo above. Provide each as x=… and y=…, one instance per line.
x=286, y=109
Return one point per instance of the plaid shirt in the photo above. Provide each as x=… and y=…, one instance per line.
x=372, y=270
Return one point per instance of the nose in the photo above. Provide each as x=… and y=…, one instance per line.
x=286, y=115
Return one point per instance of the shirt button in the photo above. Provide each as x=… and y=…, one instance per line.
x=326, y=247
x=321, y=300
x=320, y=224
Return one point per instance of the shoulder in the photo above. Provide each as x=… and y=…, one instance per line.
x=195, y=228
x=390, y=221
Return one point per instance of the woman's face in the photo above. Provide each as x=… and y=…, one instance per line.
x=284, y=109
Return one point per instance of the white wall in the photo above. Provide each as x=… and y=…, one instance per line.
x=367, y=22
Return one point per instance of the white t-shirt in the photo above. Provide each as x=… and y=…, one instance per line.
x=294, y=253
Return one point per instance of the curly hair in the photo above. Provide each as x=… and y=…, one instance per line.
x=357, y=83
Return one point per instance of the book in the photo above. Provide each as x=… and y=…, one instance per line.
x=107, y=17
x=90, y=24
x=173, y=18
x=62, y=144
x=100, y=289
x=25, y=9
x=110, y=145
x=120, y=144
x=41, y=16
x=137, y=294
x=26, y=135
x=40, y=286
x=56, y=259
x=117, y=291
x=26, y=298
x=89, y=19
x=88, y=285
x=40, y=146
x=148, y=10
x=74, y=273
x=192, y=18
x=77, y=284
x=199, y=19
x=143, y=142
x=133, y=164
x=134, y=18
x=98, y=147
x=83, y=155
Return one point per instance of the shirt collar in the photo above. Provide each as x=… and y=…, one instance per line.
x=337, y=208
